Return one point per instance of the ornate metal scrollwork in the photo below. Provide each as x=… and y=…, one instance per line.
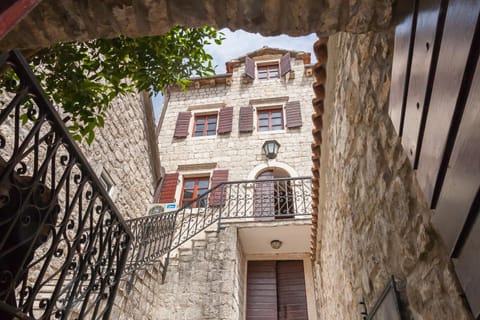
x=63, y=244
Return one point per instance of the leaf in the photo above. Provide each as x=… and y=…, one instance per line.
x=85, y=77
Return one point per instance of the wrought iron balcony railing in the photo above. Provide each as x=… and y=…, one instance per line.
x=256, y=200
x=63, y=243
x=253, y=200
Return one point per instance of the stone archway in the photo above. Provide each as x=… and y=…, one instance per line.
x=54, y=21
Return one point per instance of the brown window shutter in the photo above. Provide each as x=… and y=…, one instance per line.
x=183, y=123
x=245, y=123
x=285, y=65
x=291, y=293
x=225, y=117
x=217, y=196
x=293, y=114
x=261, y=290
x=250, y=67
x=167, y=194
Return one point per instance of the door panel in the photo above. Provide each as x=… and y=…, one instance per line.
x=264, y=203
x=261, y=290
x=276, y=290
x=292, y=299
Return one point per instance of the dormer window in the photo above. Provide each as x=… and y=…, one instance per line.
x=268, y=71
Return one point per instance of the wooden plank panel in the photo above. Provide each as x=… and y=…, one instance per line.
x=426, y=47
x=292, y=299
x=263, y=201
x=462, y=178
x=261, y=304
x=448, y=94
x=402, y=58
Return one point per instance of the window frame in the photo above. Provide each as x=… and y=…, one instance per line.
x=206, y=117
x=195, y=190
x=268, y=66
x=270, y=110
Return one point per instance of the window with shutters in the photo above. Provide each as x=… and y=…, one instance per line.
x=205, y=125
x=268, y=71
x=270, y=119
x=194, y=188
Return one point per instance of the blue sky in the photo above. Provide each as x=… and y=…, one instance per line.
x=239, y=43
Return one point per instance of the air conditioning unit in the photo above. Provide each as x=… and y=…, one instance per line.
x=157, y=208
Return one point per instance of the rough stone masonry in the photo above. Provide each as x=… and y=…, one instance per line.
x=67, y=20
x=373, y=218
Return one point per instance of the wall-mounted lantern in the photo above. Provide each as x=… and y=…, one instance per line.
x=270, y=148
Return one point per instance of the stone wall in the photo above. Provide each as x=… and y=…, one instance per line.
x=54, y=21
x=203, y=280
x=122, y=149
x=373, y=219
x=240, y=152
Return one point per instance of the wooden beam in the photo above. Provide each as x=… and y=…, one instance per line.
x=14, y=13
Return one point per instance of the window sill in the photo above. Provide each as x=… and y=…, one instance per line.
x=271, y=132
x=204, y=137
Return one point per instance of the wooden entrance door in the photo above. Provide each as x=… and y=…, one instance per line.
x=276, y=290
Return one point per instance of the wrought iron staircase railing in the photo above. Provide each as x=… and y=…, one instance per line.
x=63, y=243
x=254, y=200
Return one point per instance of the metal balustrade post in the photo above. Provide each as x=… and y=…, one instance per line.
x=220, y=209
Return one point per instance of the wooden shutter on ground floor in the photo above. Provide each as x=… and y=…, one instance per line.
x=293, y=114
x=245, y=123
x=169, y=187
x=225, y=117
x=285, y=65
x=182, y=125
x=292, y=298
x=261, y=290
x=249, y=67
x=276, y=290
x=217, y=197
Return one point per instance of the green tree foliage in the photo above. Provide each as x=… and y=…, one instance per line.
x=84, y=77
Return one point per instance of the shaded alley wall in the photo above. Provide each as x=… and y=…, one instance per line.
x=373, y=219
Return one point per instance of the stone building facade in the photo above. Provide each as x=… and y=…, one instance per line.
x=239, y=152
x=124, y=156
x=221, y=124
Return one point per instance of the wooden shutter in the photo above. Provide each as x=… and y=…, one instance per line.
x=264, y=201
x=285, y=65
x=167, y=194
x=183, y=123
x=217, y=197
x=245, y=123
x=249, y=67
x=225, y=117
x=293, y=114
x=261, y=290
x=292, y=298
